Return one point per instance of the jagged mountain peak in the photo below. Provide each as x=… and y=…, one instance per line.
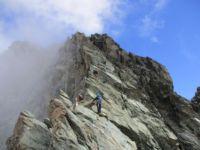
x=140, y=109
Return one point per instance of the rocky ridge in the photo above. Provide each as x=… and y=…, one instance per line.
x=140, y=108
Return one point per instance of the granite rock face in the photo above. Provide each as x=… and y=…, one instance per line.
x=140, y=108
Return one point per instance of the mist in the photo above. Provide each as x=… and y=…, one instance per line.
x=26, y=72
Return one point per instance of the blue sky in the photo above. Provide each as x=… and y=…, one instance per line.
x=166, y=30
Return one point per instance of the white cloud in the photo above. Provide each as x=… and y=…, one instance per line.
x=4, y=41
x=154, y=39
x=151, y=22
x=149, y=25
x=44, y=21
x=160, y=4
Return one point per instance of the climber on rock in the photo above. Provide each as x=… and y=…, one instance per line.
x=98, y=99
x=77, y=100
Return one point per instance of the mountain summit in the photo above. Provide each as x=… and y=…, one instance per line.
x=140, y=109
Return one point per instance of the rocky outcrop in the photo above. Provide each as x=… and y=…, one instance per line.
x=140, y=108
x=82, y=129
x=196, y=101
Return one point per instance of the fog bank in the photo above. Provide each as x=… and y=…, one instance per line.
x=25, y=83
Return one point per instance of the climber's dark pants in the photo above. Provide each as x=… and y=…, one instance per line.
x=99, y=107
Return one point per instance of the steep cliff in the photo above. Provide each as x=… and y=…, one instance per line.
x=140, y=108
